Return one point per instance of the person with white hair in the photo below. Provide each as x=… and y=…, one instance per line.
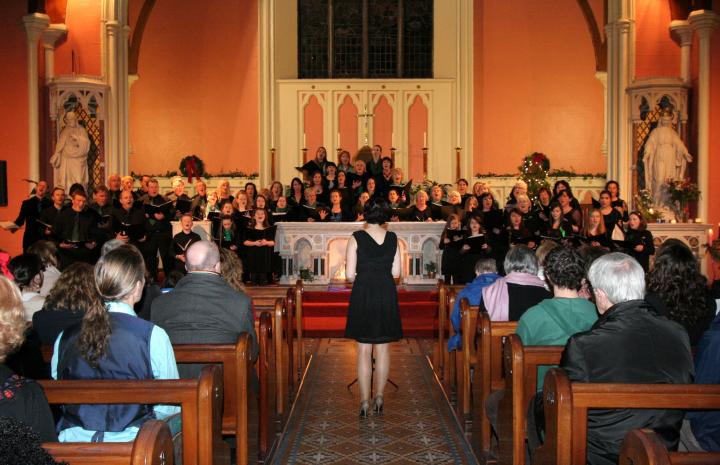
x=630, y=343
x=203, y=308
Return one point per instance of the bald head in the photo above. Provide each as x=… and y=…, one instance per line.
x=203, y=256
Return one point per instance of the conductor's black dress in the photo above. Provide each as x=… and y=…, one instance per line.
x=374, y=315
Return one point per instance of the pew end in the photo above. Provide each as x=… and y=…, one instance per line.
x=643, y=447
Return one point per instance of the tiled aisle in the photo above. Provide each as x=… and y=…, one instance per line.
x=417, y=426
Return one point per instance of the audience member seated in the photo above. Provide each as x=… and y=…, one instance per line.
x=113, y=343
x=47, y=251
x=203, y=308
x=510, y=296
x=20, y=398
x=553, y=321
x=677, y=289
x=629, y=343
x=73, y=295
x=21, y=444
x=231, y=270
x=27, y=271
x=485, y=275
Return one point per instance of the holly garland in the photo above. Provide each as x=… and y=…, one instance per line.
x=192, y=167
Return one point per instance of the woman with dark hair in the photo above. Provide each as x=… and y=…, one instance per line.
x=113, y=343
x=27, y=271
x=677, y=289
x=296, y=195
x=260, y=241
x=563, y=185
x=572, y=215
x=251, y=192
x=20, y=397
x=617, y=203
x=638, y=240
x=47, y=251
x=74, y=294
x=475, y=247
x=336, y=211
x=544, y=200
x=611, y=217
x=317, y=183
x=451, y=240
x=372, y=263
x=557, y=226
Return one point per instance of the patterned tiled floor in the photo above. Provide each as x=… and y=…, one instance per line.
x=417, y=426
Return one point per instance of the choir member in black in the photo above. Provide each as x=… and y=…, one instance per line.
x=102, y=207
x=571, y=214
x=143, y=189
x=470, y=206
x=474, y=248
x=451, y=240
x=453, y=206
x=421, y=211
x=281, y=212
x=520, y=187
x=260, y=242
x=639, y=240
x=76, y=232
x=242, y=206
x=114, y=189
x=371, y=187
x=320, y=159
x=129, y=223
x=479, y=188
x=344, y=163
x=542, y=206
x=557, y=227
x=619, y=204
x=595, y=232
x=436, y=200
x=317, y=183
x=181, y=202
x=297, y=194
x=126, y=184
x=181, y=241
x=30, y=210
x=394, y=199
x=229, y=237
x=47, y=217
x=309, y=210
x=276, y=191
x=611, y=216
x=330, y=181
x=359, y=208
x=158, y=212
x=462, y=188
x=223, y=192
x=374, y=165
x=337, y=211
x=199, y=200
x=518, y=233
x=251, y=192
x=530, y=216
x=385, y=180
x=261, y=202
x=492, y=217
x=563, y=185
x=212, y=208
x=345, y=191
x=359, y=178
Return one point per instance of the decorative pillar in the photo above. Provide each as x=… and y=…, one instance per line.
x=50, y=37
x=34, y=25
x=681, y=32
x=617, y=77
x=602, y=77
x=704, y=22
x=113, y=155
x=123, y=103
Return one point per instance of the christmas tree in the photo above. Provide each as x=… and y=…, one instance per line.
x=534, y=171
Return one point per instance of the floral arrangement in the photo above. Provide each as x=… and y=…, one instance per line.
x=644, y=202
x=192, y=167
x=534, y=171
x=680, y=194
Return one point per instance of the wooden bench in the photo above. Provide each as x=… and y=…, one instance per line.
x=644, y=447
x=152, y=446
x=200, y=400
x=521, y=364
x=566, y=410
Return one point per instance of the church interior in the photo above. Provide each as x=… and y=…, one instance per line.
x=233, y=92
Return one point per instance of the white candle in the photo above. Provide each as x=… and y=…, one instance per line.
x=424, y=139
x=698, y=220
x=304, y=141
x=338, y=139
x=392, y=140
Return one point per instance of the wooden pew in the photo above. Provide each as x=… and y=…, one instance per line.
x=443, y=323
x=520, y=364
x=289, y=336
x=450, y=368
x=200, y=400
x=152, y=446
x=300, y=359
x=644, y=447
x=236, y=361
x=566, y=410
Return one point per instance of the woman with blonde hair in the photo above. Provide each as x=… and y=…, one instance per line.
x=113, y=343
x=231, y=269
x=20, y=397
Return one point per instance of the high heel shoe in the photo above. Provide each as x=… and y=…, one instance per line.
x=378, y=405
x=364, y=408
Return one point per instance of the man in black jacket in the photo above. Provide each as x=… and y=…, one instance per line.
x=29, y=212
x=629, y=343
x=76, y=232
x=203, y=308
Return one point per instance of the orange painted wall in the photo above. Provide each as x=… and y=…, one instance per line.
x=383, y=129
x=348, y=128
x=417, y=129
x=13, y=94
x=535, y=87
x=655, y=52
x=82, y=18
x=198, y=87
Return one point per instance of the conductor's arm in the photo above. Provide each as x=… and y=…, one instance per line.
x=396, y=264
x=351, y=259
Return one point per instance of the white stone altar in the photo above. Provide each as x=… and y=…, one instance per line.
x=320, y=248
x=694, y=235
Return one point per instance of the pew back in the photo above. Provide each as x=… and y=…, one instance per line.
x=644, y=447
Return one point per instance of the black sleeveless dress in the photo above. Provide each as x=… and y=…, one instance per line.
x=374, y=315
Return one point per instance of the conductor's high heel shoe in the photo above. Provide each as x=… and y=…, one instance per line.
x=364, y=408
x=378, y=405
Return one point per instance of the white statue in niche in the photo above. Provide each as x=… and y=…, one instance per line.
x=666, y=157
x=69, y=161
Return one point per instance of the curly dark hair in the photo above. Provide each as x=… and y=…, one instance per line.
x=564, y=268
x=22, y=445
x=676, y=278
x=24, y=268
x=74, y=290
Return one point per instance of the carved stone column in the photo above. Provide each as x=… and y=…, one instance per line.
x=681, y=33
x=34, y=24
x=49, y=38
x=704, y=22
